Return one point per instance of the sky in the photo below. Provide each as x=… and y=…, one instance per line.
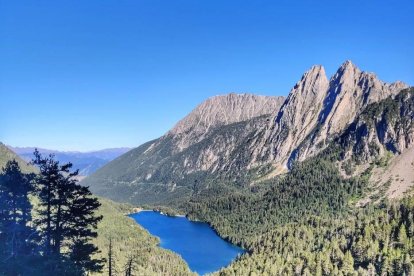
x=87, y=75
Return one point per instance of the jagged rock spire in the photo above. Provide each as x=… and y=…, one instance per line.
x=317, y=109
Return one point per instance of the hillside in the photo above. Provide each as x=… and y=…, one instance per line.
x=6, y=155
x=211, y=150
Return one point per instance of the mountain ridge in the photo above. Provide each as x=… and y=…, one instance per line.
x=310, y=118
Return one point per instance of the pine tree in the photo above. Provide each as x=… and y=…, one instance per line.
x=348, y=263
x=402, y=236
x=16, y=236
x=111, y=268
x=67, y=216
x=129, y=266
x=407, y=265
x=371, y=270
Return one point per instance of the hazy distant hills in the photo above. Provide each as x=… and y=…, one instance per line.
x=235, y=141
x=86, y=162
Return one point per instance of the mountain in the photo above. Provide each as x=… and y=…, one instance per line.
x=7, y=155
x=86, y=162
x=317, y=110
x=231, y=142
x=200, y=144
x=383, y=134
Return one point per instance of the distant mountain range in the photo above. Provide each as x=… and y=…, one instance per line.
x=85, y=162
x=245, y=139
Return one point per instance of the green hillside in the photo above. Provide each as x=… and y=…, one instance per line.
x=6, y=155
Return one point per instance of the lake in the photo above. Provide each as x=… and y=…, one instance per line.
x=196, y=242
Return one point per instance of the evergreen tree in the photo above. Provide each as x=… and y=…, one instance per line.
x=17, y=238
x=129, y=266
x=67, y=216
x=111, y=267
x=402, y=236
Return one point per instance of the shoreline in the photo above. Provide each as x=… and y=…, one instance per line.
x=137, y=210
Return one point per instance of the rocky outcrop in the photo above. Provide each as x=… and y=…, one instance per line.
x=206, y=142
x=384, y=126
x=350, y=90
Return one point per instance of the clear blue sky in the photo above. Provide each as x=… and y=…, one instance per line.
x=85, y=75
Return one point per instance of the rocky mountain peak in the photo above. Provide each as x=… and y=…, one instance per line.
x=298, y=115
x=305, y=95
x=348, y=65
x=346, y=75
x=398, y=85
x=350, y=89
x=315, y=72
x=317, y=109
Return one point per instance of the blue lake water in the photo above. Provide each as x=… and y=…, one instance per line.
x=196, y=242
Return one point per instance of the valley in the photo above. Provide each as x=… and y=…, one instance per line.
x=271, y=176
x=206, y=138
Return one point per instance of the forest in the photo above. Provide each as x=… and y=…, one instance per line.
x=307, y=223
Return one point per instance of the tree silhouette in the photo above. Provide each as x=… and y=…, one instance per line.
x=67, y=214
x=16, y=236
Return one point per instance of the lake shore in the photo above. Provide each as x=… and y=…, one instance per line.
x=136, y=210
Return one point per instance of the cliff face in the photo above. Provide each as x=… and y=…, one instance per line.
x=296, y=119
x=242, y=138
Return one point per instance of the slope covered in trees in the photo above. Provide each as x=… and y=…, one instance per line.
x=372, y=241
x=306, y=223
